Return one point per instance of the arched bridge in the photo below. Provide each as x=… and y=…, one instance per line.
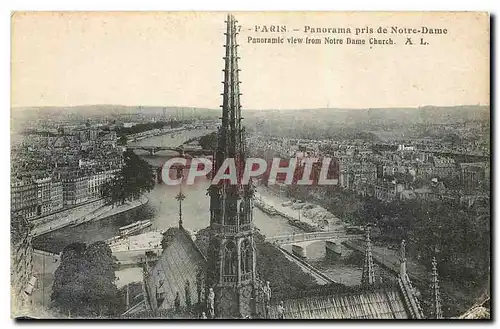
x=300, y=241
x=191, y=151
x=313, y=236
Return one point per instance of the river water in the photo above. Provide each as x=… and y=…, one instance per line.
x=163, y=210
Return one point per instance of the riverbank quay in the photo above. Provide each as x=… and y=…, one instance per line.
x=79, y=216
x=272, y=205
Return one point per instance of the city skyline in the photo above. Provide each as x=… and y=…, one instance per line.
x=257, y=109
x=162, y=58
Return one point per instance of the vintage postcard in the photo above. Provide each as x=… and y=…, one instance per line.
x=250, y=165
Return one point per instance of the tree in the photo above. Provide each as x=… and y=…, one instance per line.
x=122, y=140
x=135, y=178
x=372, y=211
x=209, y=142
x=84, y=282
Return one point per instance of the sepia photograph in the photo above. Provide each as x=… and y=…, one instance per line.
x=250, y=165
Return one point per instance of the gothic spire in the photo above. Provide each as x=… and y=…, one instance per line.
x=231, y=269
x=436, y=297
x=368, y=276
x=230, y=138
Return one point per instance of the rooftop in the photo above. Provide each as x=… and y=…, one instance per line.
x=380, y=303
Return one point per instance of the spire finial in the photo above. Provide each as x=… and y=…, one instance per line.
x=180, y=196
x=368, y=276
x=436, y=296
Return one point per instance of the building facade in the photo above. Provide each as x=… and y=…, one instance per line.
x=472, y=175
x=75, y=190
x=23, y=198
x=44, y=204
x=56, y=195
x=96, y=182
x=33, y=198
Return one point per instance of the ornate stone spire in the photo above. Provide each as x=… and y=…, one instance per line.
x=230, y=141
x=231, y=252
x=368, y=276
x=436, y=297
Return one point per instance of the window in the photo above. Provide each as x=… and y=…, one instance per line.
x=242, y=213
x=246, y=257
x=230, y=259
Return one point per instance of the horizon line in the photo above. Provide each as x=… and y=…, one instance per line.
x=249, y=109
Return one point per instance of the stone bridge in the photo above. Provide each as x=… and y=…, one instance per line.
x=300, y=241
x=152, y=149
x=313, y=236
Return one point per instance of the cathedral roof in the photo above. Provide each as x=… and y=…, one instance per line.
x=180, y=262
x=378, y=303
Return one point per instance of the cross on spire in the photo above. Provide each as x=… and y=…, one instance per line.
x=180, y=196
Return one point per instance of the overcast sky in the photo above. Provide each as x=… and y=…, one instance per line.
x=162, y=59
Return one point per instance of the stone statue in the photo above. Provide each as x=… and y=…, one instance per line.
x=281, y=311
x=403, y=251
x=187, y=289
x=199, y=284
x=267, y=292
x=203, y=315
x=267, y=297
x=177, y=302
x=210, y=303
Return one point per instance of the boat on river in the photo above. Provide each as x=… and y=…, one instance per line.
x=134, y=228
x=269, y=210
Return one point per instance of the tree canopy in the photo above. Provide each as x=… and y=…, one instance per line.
x=84, y=283
x=135, y=178
x=209, y=142
x=459, y=237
